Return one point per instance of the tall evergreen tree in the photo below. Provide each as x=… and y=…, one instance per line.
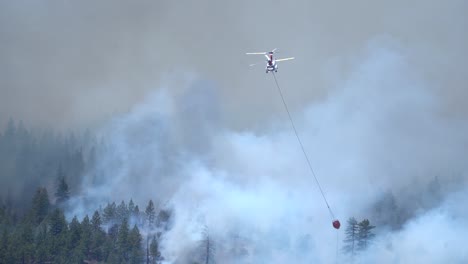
x=96, y=221
x=154, y=253
x=123, y=245
x=86, y=236
x=62, y=192
x=351, y=239
x=110, y=247
x=98, y=238
x=74, y=233
x=40, y=205
x=75, y=251
x=109, y=213
x=163, y=218
x=135, y=246
x=27, y=243
x=57, y=222
x=207, y=248
x=122, y=212
x=58, y=230
x=365, y=234
x=43, y=245
x=131, y=206
x=150, y=214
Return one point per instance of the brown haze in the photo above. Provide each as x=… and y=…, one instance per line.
x=75, y=63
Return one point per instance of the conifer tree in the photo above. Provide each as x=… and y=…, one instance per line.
x=86, y=236
x=123, y=247
x=74, y=233
x=131, y=206
x=43, y=245
x=98, y=238
x=207, y=248
x=27, y=243
x=74, y=241
x=40, y=205
x=122, y=212
x=351, y=232
x=62, y=192
x=135, y=246
x=58, y=230
x=109, y=213
x=154, y=253
x=365, y=234
x=96, y=221
x=150, y=214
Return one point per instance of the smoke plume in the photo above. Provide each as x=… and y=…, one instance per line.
x=382, y=130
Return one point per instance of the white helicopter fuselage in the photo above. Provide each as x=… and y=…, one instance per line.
x=271, y=64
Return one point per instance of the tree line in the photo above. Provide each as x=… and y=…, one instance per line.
x=37, y=157
x=110, y=235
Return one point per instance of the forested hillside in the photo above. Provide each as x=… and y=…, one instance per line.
x=109, y=235
x=30, y=158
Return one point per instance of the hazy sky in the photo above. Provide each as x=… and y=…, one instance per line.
x=75, y=63
x=378, y=90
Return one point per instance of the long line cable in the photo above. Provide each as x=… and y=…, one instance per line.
x=302, y=147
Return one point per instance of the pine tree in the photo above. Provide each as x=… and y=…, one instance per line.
x=98, y=238
x=27, y=243
x=123, y=247
x=136, y=215
x=74, y=239
x=351, y=239
x=62, y=193
x=96, y=221
x=154, y=253
x=131, y=207
x=74, y=233
x=122, y=212
x=207, y=248
x=58, y=231
x=86, y=236
x=163, y=219
x=40, y=205
x=365, y=234
x=150, y=214
x=135, y=247
x=109, y=213
x=43, y=245
x=57, y=222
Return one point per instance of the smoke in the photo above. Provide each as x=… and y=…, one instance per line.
x=74, y=64
x=381, y=130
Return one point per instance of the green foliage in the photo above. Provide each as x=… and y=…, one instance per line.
x=40, y=205
x=45, y=236
x=351, y=233
x=135, y=246
x=150, y=214
x=122, y=212
x=358, y=236
x=123, y=245
x=109, y=213
x=98, y=238
x=365, y=234
x=30, y=157
x=62, y=193
x=155, y=254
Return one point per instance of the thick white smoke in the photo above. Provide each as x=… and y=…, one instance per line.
x=379, y=131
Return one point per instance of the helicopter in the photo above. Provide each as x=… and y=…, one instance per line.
x=271, y=61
